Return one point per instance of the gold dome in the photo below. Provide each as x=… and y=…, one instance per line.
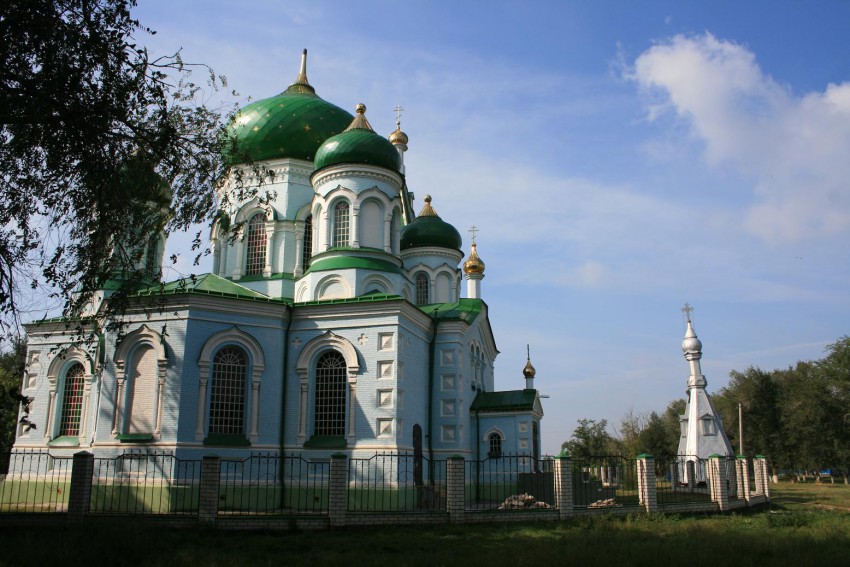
x=529, y=370
x=398, y=138
x=473, y=264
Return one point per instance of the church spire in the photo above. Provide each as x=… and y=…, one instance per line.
x=529, y=370
x=301, y=84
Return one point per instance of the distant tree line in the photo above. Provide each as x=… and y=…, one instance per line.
x=798, y=417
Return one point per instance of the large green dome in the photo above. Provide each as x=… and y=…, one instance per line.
x=292, y=124
x=428, y=229
x=358, y=144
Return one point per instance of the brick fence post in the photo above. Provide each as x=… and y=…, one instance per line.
x=455, y=488
x=717, y=482
x=564, y=485
x=210, y=482
x=762, y=475
x=79, y=499
x=338, y=490
x=743, y=474
x=647, y=493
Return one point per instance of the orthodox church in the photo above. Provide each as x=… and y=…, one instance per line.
x=332, y=320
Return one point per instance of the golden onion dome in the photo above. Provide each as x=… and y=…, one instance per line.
x=398, y=138
x=529, y=370
x=473, y=264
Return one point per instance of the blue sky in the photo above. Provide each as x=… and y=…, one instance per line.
x=620, y=158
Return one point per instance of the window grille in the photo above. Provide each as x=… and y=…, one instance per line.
x=495, y=445
x=256, y=245
x=227, y=401
x=72, y=400
x=341, y=224
x=308, y=242
x=330, y=395
x=422, y=285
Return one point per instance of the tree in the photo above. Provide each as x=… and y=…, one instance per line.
x=82, y=107
x=11, y=374
x=589, y=439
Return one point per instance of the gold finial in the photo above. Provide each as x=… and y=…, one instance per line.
x=360, y=122
x=428, y=210
x=529, y=370
x=301, y=84
x=473, y=264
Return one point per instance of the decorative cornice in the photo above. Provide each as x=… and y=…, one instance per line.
x=455, y=255
x=329, y=174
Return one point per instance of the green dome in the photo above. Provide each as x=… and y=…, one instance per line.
x=428, y=229
x=292, y=124
x=358, y=144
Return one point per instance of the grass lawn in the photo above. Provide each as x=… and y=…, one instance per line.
x=806, y=525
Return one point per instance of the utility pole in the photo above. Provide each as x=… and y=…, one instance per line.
x=740, y=429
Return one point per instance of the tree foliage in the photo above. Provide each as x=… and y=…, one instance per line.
x=11, y=374
x=590, y=438
x=83, y=106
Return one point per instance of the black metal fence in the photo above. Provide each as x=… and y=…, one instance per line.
x=510, y=482
x=253, y=486
x=605, y=482
x=145, y=483
x=681, y=481
x=396, y=482
x=35, y=481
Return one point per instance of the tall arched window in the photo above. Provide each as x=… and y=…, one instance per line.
x=227, y=399
x=341, y=224
x=72, y=400
x=422, y=288
x=307, y=251
x=495, y=446
x=256, y=257
x=330, y=395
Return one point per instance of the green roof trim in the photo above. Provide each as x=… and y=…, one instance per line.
x=512, y=400
x=358, y=146
x=463, y=310
x=207, y=284
x=343, y=262
x=367, y=298
x=290, y=125
x=277, y=276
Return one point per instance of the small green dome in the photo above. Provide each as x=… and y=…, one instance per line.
x=292, y=124
x=358, y=144
x=428, y=229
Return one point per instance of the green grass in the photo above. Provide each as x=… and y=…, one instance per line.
x=806, y=525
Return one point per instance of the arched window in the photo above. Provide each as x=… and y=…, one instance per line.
x=330, y=395
x=495, y=448
x=72, y=400
x=307, y=251
x=341, y=225
x=256, y=258
x=227, y=399
x=422, y=285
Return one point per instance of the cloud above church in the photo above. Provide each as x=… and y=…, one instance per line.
x=793, y=147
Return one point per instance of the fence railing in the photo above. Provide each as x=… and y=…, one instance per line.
x=396, y=482
x=681, y=481
x=145, y=483
x=605, y=482
x=509, y=482
x=253, y=486
x=35, y=481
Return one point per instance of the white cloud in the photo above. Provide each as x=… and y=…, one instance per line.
x=793, y=147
